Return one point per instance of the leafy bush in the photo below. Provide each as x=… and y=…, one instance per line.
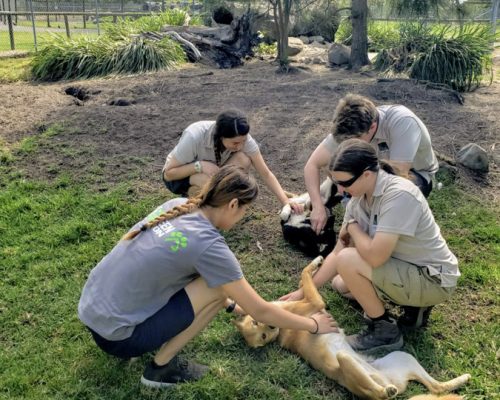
x=459, y=58
x=322, y=20
x=381, y=35
x=152, y=23
x=266, y=49
x=85, y=57
x=344, y=32
x=459, y=61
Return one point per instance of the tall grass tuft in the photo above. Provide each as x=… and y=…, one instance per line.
x=85, y=57
x=460, y=61
x=151, y=23
x=457, y=57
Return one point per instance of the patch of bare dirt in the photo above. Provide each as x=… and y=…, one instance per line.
x=289, y=114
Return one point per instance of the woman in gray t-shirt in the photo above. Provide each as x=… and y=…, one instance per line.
x=171, y=274
x=205, y=146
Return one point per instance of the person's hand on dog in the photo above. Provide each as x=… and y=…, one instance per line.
x=296, y=207
x=325, y=323
x=292, y=296
x=344, y=237
x=318, y=219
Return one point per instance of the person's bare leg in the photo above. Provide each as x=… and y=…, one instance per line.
x=206, y=304
x=356, y=274
x=339, y=286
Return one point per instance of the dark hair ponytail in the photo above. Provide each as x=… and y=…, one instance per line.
x=229, y=123
x=356, y=156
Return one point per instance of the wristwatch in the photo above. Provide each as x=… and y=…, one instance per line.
x=197, y=166
x=351, y=221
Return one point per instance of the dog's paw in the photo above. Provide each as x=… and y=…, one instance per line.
x=391, y=391
x=285, y=213
x=313, y=266
x=318, y=261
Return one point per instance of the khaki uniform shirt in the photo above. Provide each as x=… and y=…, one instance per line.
x=197, y=144
x=401, y=136
x=399, y=207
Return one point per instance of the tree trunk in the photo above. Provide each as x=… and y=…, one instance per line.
x=281, y=10
x=359, y=47
x=494, y=15
x=3, y=17
x=48, y=16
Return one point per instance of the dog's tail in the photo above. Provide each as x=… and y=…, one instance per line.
x=436, y=397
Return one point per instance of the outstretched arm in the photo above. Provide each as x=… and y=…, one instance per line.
x=243, y=293
x=272, y=182
x=318, y=159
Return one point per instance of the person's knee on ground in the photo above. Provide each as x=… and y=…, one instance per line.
x=241, y=160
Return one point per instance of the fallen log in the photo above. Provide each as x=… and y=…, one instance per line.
x=224, y=46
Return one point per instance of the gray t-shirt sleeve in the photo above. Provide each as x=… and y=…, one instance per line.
x=400, y=213
x=218, y=265
x=185, y=150
x=251, y=145
x=330, y=144
x=405, y=136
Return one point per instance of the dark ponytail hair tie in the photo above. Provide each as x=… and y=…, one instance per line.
x=144, y=227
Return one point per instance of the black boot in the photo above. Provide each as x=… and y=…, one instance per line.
x=414, y=317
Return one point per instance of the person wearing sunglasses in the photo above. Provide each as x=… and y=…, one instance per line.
x=394, y=130
x=389, y=248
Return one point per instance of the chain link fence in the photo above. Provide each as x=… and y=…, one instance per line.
x=25, y=24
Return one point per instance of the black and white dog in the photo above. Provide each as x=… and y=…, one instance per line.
x=297, y=227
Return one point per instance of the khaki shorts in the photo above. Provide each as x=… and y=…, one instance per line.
x=408, y=284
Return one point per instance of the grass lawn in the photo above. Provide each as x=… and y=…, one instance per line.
x=14, y=69
x=23, y=40
x=52, y=233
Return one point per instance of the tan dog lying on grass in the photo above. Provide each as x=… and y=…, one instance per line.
x=369, y=378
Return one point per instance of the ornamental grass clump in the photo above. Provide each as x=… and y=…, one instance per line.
x=457, y=57
x=150, y=23
x=85, y=57
x=460, y=61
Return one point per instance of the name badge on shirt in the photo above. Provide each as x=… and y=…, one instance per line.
x=383, y=151
x=373, y=226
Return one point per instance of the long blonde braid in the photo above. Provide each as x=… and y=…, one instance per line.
x=228, y=183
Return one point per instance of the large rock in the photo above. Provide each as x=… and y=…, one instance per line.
x=474, y=157
x=318, y=38
x=295, y=46
x=339, y=54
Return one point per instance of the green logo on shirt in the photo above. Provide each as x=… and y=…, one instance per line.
x=179, y=240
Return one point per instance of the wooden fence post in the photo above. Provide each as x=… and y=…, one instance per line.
x=11, y=32
x=66, y=25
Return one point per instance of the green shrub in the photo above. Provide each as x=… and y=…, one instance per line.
x=152, y=23
x=382, y=35
x=460, y=61
x=322, y=20
x=445, y=54
x=266, y=49
x=344, y=32
x=85, y=57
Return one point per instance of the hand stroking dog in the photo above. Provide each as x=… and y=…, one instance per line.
x=369, y=378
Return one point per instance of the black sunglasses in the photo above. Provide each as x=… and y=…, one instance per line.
x=348, y=182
